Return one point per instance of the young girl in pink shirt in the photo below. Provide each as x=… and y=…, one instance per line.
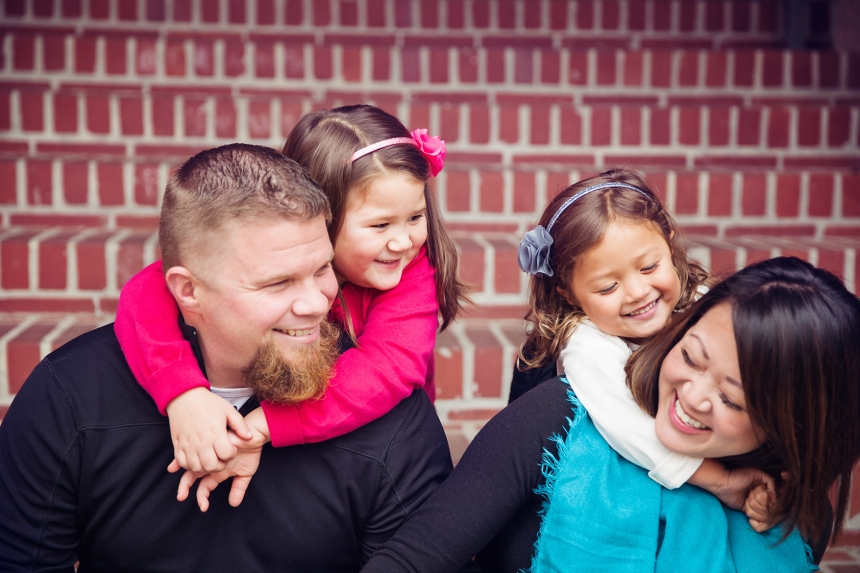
x=397, y=268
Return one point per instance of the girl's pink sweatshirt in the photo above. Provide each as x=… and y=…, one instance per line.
x=395, y=331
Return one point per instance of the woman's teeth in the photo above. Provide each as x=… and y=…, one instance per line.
x=296, y=332
x=692, y=422
x=644, y=309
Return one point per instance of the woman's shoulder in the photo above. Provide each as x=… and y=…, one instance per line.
x=540, y=412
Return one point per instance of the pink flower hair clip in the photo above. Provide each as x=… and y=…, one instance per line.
x=432, y=148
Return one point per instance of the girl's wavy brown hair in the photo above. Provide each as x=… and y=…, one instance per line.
x=552, y=317
x=323, y=142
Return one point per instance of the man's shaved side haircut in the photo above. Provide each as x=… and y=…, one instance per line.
x=236, y=181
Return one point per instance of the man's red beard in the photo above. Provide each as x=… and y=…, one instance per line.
x=303, y=377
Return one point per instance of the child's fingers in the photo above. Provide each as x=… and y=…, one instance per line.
x=210, y=459
x=236, y=422
x=174, y=466
x=192, y=462
x=757, y=507
x=768, y=481
x=179, y=457
x=225, y=451
x=757, y=496
x=755, y=511
x=765, y=497
x=759, y=526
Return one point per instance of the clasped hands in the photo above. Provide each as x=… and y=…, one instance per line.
x=213, y=442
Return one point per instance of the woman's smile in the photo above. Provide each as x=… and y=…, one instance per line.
x=702, y=406
x=683, y=421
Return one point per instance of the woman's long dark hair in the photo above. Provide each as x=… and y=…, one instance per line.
x=797, y=330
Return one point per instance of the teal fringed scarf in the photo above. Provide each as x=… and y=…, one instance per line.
x=604, y=513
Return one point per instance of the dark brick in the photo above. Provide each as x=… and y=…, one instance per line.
x=209, y=11
x=127, y=10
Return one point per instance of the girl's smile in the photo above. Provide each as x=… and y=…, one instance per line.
x=627, y=285
x=383, y=230
x=646, y=312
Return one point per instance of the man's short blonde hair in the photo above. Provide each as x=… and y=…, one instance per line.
x=226, y=184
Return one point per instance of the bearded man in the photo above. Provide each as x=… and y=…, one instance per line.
x=83, y=448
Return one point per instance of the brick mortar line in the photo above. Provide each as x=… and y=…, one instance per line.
x=445, y=407
x=5, y=394
x=467, y=349
x=509, y=353
x=168, y=26
x=33, y=256
x=399, y=34
x=48, y=340
x=522, y=149
x=144, y=83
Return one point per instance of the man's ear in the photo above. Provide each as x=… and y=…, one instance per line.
x=184, y=287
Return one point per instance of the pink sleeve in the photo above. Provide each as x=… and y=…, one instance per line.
x=394, y=351
x=147, y=327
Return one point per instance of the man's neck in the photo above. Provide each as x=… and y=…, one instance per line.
x=220, y=375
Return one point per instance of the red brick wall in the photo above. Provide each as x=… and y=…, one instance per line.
x=753, y=146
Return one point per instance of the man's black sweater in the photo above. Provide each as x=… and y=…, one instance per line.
x=83, y=452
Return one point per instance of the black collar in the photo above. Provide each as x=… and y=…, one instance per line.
x=190, y=334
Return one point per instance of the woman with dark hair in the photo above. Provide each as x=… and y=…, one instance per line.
x=763, y=371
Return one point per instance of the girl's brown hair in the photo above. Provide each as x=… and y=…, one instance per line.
x=797, y=330
x=323, y=143
x=579, y=228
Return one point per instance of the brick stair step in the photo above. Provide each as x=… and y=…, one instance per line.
x=504, y=195
x=623, y=108
x=728, y=21
x=843, y=558
x=439, y=59
x=60, y=269
x=489, y=336
x=25, y=338
x=489, y=262
x=688, y=132
x=33, y=320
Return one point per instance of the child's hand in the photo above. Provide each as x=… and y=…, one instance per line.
x=241, y=467
x=747, y=489
x=757, y=507
x=256, y=422
x=198, y=427
x=752, y=491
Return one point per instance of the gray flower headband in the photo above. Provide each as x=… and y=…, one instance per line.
x=533, y=253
